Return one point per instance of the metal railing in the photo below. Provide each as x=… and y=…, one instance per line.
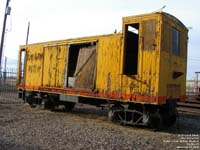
x=8, y=88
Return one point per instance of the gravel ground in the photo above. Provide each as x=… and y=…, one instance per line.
x=25, y=128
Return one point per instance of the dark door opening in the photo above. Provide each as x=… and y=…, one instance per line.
x=22, y=66
x=131, y=49
x=81, y=65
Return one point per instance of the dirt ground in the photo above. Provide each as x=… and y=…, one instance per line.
x=25, y=128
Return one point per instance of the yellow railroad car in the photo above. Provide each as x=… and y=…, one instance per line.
x=140, y=73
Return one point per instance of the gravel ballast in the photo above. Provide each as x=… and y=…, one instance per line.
x=86, y=127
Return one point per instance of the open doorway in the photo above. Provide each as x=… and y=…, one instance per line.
x=131, y=49
x=22, y=64
x=81, y=65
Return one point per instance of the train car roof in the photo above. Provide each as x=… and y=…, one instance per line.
x=95, y=38
x=75, y=40
x=171, y=17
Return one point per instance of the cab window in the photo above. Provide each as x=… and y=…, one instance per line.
x=175, y=42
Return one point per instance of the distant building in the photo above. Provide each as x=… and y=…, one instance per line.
x=191, y=87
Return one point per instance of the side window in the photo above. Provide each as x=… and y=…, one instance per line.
x=149, y=34
x=175, y=42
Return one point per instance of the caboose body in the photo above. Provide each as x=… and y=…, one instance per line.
x=143, y=67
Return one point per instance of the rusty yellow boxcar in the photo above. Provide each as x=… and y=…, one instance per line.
x=140, y=73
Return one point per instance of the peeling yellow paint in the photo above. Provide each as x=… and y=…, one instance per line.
x=46, y=63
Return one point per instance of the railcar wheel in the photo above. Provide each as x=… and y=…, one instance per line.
x=29, y=100
x=116, y=113
x=155, y=120
x=169, y=120
x=173, y=119
x=69, y=106
x=137, y=116
x=32, y=101
x=49, y=103
x=169, y=113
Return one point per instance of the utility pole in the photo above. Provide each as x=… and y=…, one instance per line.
x=27, y=35
x=7, y=12
x=4, y=73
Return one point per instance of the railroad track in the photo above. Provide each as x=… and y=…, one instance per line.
x=190, y=106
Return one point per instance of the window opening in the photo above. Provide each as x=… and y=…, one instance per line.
x=175, y=42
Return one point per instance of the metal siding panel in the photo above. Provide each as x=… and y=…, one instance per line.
x=49, y=74
x=108, y=66
x=146, y=82
x=34, y=62
x=46, y=69
x=149, y=34
x=154, y=66
x=170, y=63
x=166, y=46
x=54, y=66
x=61, y=64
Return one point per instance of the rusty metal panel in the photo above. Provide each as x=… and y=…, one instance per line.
x=86, y=68
x=183, y=44
x=165, y=43
x=173, y=90
x=46, y=63
x=54, y=66
x=146, y=81
x=108, y=66
x=49, y=71
x=169, y=63
x=34, y=63
x=61, y=63
x=149, y=34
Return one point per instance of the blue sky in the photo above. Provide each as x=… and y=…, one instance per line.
x=62, y=19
